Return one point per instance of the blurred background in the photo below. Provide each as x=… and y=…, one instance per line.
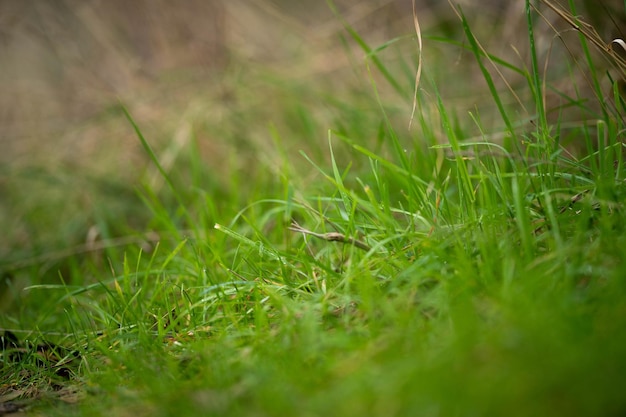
x=218, y=74
x=68, y=62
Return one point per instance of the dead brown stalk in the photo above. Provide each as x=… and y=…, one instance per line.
x=331, y=237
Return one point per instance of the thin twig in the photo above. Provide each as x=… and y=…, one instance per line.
x=331, y=237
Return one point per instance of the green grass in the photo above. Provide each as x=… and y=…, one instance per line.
x=375, y=271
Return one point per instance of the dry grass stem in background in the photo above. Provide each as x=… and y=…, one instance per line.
x=418, y=73
x=331, y=237
x=591, y=34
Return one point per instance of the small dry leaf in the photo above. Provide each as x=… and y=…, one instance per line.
x=622, y=44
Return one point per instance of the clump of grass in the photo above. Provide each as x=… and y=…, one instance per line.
x=439, y=276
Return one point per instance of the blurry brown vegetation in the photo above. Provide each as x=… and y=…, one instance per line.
x=64, y=61
x=67, y=60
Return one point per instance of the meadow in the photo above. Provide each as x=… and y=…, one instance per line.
x=421, y=222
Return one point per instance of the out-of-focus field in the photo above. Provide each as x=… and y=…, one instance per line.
x=65, y=65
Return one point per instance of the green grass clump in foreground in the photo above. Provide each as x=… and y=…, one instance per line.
x=422, y=277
